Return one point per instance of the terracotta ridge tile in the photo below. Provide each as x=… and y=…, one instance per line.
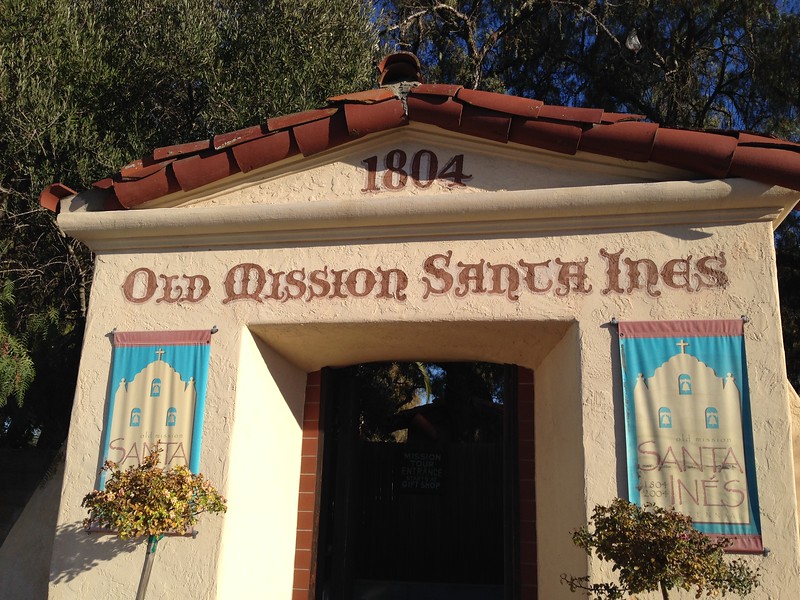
x=752, y=140
x=399, y=67
x=111, y=202
x=775, y=166
x=620, y=117
x=746, y=136
x=729, y=132
x=787, y=146
x=143, y=162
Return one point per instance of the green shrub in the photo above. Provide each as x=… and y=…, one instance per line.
x=653, y=548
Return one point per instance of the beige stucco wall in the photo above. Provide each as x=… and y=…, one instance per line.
x=560, y=463
x=252, y=434
x=262, y=466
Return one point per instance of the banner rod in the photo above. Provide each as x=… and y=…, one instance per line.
x=614, y=322
x=214, y=329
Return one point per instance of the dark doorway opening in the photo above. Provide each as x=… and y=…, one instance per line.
x=419, y=493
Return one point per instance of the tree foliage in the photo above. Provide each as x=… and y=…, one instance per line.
x=657, y=549
x=721, y=63
x=16, y=366
x=87, y=86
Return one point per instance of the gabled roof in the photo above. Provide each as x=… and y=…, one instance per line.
x=492, y=116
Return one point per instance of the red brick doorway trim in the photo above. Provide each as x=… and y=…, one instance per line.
x=308, y=496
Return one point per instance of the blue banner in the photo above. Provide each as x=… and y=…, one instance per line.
x=688, y=424
x=157, y=396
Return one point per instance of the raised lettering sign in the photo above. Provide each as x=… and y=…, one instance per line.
x=441, y=274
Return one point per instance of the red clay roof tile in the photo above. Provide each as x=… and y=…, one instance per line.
x=370, y=118
x=620, y=117
x=571, y=113
x=181, y=149
x=199, y=170
x=141, y=168
x=745, y=137
x=316, y=136
x=514, y=105
x=707, y=153
x=400, y=66
x=749, y=139
x=139, y=191
x=104, y=184
x=264, y=151
x=401, y=57
x=770, y=165
x=365, y=97
x=484, y=123
x=629, y=140
x=238, y=137
x=556, y=137
x=309, y=116
x=52, y=195
x=435, y=110
x=436, y=89
x=111, y=202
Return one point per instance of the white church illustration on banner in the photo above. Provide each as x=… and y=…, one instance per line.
x=157, y=405
x=689, y=440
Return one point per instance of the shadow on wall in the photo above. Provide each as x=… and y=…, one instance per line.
x=87, y=551
x=620, y=443
x=25, y=553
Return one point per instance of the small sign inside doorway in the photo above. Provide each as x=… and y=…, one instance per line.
x=419, y=472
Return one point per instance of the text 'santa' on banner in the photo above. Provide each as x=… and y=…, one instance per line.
x=157, y=394
x=688, y=424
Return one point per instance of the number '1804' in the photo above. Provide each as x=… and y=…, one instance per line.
x=422, y=170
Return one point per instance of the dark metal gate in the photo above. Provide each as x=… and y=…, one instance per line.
x=425, y=507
